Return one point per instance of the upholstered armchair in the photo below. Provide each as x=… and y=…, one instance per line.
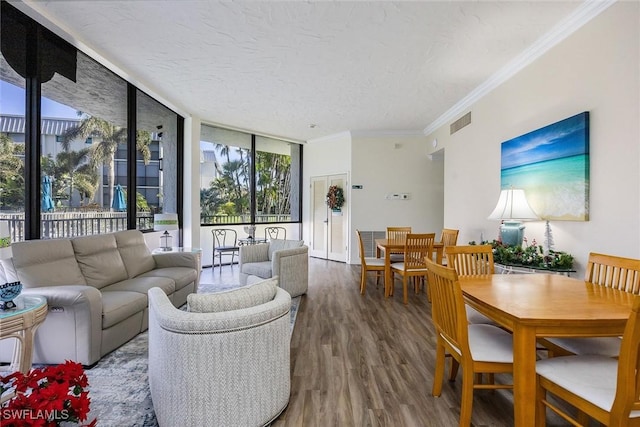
x=287, y=259
x=223, y=362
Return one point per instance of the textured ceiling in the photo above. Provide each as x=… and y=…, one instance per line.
x=277, y=67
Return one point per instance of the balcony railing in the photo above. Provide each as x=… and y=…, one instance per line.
x=57, y=225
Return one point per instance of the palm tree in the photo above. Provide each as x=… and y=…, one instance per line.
x=104, y=151
x=11, y=173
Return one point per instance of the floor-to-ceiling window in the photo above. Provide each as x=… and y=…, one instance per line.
x=82, y=147
x=247, y=178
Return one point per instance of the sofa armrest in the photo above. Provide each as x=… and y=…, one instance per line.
x=73, y=327
x=292, y=267
x=253, y=253
x=177, y=259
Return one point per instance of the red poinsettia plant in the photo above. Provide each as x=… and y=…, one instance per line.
x=46, y=397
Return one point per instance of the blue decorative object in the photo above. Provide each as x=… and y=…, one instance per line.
x=8, y=292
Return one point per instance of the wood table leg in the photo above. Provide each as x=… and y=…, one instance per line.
x=524, y=375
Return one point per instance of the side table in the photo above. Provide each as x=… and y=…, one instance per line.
x=251, y=241
x=21, y=323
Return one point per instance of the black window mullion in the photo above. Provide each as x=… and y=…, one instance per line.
x=132, y=117
x=252, y=180
x=32, y=131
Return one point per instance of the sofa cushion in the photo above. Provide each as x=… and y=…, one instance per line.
x=236, y=299
x=143, y=284
x=182, y=276
x=261, y=269
x=46, y=263
x=99, y=259
x=120, y=305
x=280, y=244
x=135, y=253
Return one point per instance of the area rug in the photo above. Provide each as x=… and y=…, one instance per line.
x=118, y=384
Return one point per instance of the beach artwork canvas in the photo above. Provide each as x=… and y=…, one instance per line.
x=551, y=164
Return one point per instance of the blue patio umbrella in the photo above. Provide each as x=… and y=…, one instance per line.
x=46, y=204
x=119, y=204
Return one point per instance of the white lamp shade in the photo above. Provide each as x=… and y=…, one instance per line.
x=513, y=204
x=165, y=222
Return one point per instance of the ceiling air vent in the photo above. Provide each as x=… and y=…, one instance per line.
x=460, y=123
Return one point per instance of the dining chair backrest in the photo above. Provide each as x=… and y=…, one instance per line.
x=471, y=260
x=398, y=233
x=224, y=238
x=275, y=233
x=628, y=382
x=449, y=237
x=416, y=248
x=363, y=261
x=613, y=271
x=447, y=305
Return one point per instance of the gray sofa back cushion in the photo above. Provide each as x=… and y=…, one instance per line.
x=46, y=263
x=99, y=259
x=135, y=253
x=280, y=244
x=236, y=299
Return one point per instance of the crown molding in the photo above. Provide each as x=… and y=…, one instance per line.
x=583, y=14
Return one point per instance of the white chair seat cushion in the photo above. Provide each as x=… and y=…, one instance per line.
x=604, y=346
x=400, y=266
x=490, y=344
x=475, y=317
x=260, y=269
x=591, y=377
x=374, y=262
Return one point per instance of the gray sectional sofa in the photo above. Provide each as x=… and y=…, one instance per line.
x=96, y=288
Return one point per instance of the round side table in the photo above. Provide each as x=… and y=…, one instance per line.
x=21, y=323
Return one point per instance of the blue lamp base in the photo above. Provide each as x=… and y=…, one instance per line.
x=512, y=233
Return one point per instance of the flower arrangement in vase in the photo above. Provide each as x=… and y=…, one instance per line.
x=48, y=397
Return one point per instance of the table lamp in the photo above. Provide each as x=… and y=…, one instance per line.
x=165, y=222
x=512, y=209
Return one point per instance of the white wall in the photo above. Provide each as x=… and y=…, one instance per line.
x=382, y=164
x=596, y=69
x=328, y=156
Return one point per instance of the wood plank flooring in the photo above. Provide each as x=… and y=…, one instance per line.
x=368, y=361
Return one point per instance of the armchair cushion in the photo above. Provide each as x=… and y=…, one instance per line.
x=236, y=299
x=260, y=269
x=280, y=244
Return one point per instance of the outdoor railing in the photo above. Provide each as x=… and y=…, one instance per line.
x=57, y=225
x=243, y=219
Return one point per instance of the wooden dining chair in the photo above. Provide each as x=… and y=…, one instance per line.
x=368, y=264
x=611, y=272
x=398, y=234
x=416, y=248
x=225, y=242
x=449, y=237
x=600, y=387
x=478, y=348
x=472, y=260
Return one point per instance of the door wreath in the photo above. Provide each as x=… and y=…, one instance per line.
x=335, y=198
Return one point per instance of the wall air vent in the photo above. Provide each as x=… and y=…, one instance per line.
x=460, y=123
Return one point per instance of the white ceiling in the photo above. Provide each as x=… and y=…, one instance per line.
x=277, y=67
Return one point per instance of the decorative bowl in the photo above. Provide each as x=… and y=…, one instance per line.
x=8, y=292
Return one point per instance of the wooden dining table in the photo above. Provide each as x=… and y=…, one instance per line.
x=544, y=305
x=390, y=246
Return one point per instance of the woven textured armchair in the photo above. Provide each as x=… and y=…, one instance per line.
x=287, y=259
x=226, y=368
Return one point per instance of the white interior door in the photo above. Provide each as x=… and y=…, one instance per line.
x=329, y=229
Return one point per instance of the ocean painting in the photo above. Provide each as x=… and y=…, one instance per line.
x=551, y=164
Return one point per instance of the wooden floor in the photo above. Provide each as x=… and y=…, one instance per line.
x=365, y=361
